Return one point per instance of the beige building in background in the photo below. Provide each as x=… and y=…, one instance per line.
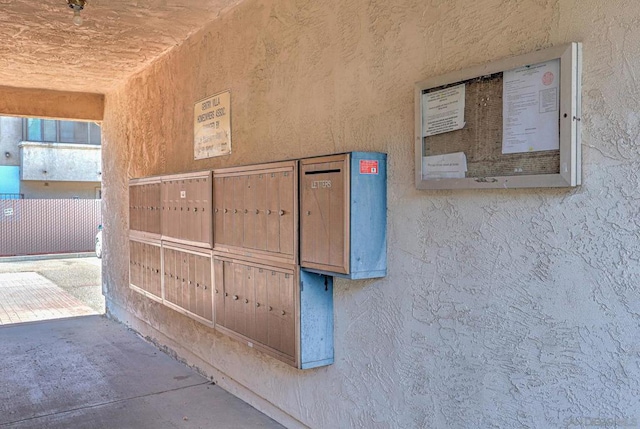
x=511, y=308
x=42, y=158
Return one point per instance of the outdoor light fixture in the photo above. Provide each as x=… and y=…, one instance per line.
x=77, y=6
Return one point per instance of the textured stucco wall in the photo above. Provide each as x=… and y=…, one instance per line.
x=63, y=162
x=10, y=136
x=506, y=308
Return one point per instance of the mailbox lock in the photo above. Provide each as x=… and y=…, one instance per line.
x=283, y=312
x=246, y=301
x=268, y=212
x=257, y=304
x=205, y=287
x=281, y=212
x=225, y=210
x=308, y=213
x=195, y=209
x=235, y=210
x=226, y=294
x=216, y=210
x=216, y=290
x=270, y=308
x=235, y=297
x=257, y=211
x=246, y=211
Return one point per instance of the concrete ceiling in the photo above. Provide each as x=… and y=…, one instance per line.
x=41, y=48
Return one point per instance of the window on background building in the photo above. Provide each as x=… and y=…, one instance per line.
x=51, y=131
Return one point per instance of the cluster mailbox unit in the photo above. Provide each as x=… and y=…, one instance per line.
x=252, y=251
x=145, y=261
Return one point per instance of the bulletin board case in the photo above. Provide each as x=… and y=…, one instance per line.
x=489, y=97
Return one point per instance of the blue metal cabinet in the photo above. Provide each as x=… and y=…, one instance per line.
x=316, y=320
x=343, y=215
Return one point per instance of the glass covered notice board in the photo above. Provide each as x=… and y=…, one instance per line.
x=514, y=123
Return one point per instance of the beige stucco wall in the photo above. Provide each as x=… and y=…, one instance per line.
x=506, y=308
x=10, y=134
x=34, y=189
x=42, y=103
x=63, y=162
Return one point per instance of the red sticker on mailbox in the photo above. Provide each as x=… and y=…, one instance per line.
x=368, y=166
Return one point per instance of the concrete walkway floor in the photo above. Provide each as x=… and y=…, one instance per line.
x=91, y=372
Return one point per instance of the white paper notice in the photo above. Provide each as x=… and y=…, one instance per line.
x=447, y=166
x=530, y=108
x=443, y=110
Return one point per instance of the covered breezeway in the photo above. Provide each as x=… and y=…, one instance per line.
x=89, y=371
x=500, y=308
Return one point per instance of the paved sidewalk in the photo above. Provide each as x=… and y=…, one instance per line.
x=93, y=373
x=29, y=297
x=81, y=278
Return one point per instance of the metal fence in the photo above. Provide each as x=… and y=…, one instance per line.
x=35, y=227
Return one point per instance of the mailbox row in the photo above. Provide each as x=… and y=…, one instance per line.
x=252, y=250
x=326, y=213
x=262, y=305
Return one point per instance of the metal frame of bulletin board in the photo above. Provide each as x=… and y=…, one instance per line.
x=513, y=123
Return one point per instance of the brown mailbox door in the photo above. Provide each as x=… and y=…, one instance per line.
x=287, y=201
x=260, y=235
x=207, y=286
x=324, y=217
x=144, y=276
x=273, y=204
x=218, y=211
x=238, y=210
x=157, y=202
x=280, y=312
x=192, y=284
x=156, y=288
x=249, y=213
x=144, y=203
x=133, y=256
x=261, y=305
x=204, y=210
x=228, y=210
x=170, y=275
x=133, y=197
x=167, y=208
x=198, y=284
x=218, y=296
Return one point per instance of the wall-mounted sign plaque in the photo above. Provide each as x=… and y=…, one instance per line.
x=212, y=126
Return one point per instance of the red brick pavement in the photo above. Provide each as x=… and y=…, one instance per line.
x=29, y=297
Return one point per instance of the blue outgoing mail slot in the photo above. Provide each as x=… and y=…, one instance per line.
x=343, y=215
